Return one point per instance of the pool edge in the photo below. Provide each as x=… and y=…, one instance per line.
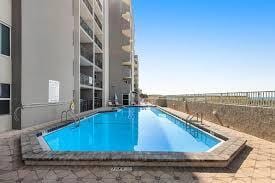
x=221, y=156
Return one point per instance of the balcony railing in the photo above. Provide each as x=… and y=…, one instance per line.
x=98, y=22
x=98, y=103
x=98, y=60
x=86, y=105
x=87, y=54
x=99, y=44
x=127, y=74
x=127, y=33
x=127, y=16
x=257, y=98
x=98, y=84
x=100, y=5
x=128, y=2
x=89, y=6
x=86, y=80
x=85, y=26
x=127, y=48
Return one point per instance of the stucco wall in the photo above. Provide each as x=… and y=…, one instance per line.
x=5, y=61
x=5, y=11
x=47, y=54
x=257, y=121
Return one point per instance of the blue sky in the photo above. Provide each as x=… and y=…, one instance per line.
x=198, y=46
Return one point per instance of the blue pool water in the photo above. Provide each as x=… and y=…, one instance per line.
x=131, y=129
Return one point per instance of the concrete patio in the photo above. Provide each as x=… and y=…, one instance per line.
x=256, y=163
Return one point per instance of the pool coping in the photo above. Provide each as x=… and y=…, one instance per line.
x=221, y=156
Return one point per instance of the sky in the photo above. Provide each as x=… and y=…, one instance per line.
x=202, y=46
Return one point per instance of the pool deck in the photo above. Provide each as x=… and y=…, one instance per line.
x=256, y=163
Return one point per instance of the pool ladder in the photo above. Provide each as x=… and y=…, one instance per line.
x=194, y=131
x=199, y=117
x=75, y=117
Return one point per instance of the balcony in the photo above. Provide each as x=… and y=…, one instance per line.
x=99, y=5
x=128, y=2
x=97, y=41
x=98, y=60
x=85, y=26
x=86, y=105
x=98, y=102
x=98, y=84
x=87, y=52
x=127, y=16
x=86, y=80
x=98, y=22
x=127, y=33
x=127, y=74
x=127, y=48
x=89, y=6
x=127, y=63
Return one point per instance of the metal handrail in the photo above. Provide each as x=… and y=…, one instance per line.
x=190, y=117
x=34, y=105
x=15, y=113
x=75, y=117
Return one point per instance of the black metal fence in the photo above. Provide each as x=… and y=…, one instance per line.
x=86, y=105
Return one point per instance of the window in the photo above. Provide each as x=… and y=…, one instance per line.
x=4, y=40
x=4, y=107
x=125, y=99
x=4, y=90
x=4, y=98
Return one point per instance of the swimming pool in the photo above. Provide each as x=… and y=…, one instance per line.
x=131, y=129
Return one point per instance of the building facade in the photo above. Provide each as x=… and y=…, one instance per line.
x=54, y=54
x=137, y=91
x=121, y=55
x=91, y=37
x=5, y=64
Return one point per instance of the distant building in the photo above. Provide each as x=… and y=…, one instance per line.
x=122, y=52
